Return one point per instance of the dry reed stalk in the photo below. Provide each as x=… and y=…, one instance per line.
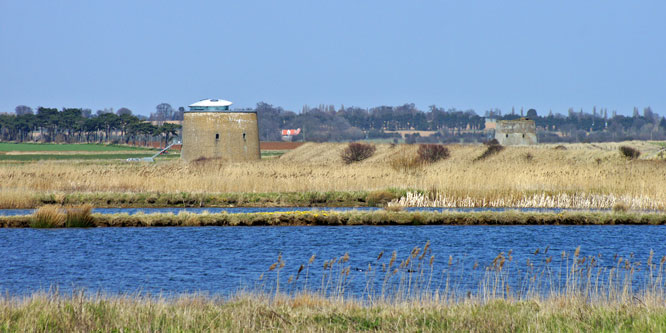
x=561, y=200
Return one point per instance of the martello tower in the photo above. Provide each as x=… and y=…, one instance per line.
x=212, y=131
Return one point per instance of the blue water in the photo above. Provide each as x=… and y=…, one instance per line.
x=234, y=210
x=220, y=260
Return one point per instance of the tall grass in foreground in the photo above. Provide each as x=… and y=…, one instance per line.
x=421, y=277
x=312, y=313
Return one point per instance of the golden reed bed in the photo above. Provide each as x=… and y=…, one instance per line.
x=512, y=176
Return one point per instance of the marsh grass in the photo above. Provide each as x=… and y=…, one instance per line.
x=248, y=312
x=50, y=216
x=380, y=198
x=389, y=216
x=620, y=207
x=405, y=160
x=79, y=217
x=314, y=172
x=421, y=277
x=561, y=200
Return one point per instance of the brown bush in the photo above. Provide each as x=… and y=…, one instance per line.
x=491, y=142
x=620, y=207
x=405, y=162
x=431, y=153
x=630, y=152
x=491, y=150
x=49, y=216
x=356, y=152
x=79, y=217
x=379, y=198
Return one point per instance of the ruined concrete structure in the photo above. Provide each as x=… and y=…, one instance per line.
x=212, y=131
x=516, y=132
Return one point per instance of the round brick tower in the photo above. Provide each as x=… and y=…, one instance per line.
x=212, y=131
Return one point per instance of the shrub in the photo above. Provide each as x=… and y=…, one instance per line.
x=49, y=216
x=620, y=207
x=379, y=198
x=356, y=152
x=560, y=147
x=491, y=150
x=79, y=217
x=431, y=153
x=393, y=208
x=630, y=152
x=492, y=142
x=405, y=162
x=528, y=157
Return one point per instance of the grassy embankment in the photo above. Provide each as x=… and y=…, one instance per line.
x=589, y=176
x=577, y=294
x=56, y=217
x=305, y=313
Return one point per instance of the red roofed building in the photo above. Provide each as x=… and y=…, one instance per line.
x=288, y=134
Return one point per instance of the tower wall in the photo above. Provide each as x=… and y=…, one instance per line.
x=229, y=136
x=516, y=132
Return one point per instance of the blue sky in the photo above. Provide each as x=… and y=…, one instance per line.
x=463, y=54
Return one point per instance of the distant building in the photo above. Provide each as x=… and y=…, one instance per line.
x=516, y=132
x=212, y=131
x=490, y=123
x=289, y=134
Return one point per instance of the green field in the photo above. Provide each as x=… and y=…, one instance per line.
x=26, y=147
x=38, y=157
x=272, y=153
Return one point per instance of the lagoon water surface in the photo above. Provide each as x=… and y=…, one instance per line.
x=220, y=260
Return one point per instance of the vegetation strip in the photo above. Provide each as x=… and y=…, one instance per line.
x=87, y=147
x=582, y=176
x=80, y=313
x=54, y=217
x=185, y=199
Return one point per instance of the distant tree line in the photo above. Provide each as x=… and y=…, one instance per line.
x=326, y=123
x=80, y=125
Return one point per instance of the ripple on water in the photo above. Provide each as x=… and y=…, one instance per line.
x=219, y=260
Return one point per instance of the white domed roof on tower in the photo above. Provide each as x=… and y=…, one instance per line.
x=211, y=103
